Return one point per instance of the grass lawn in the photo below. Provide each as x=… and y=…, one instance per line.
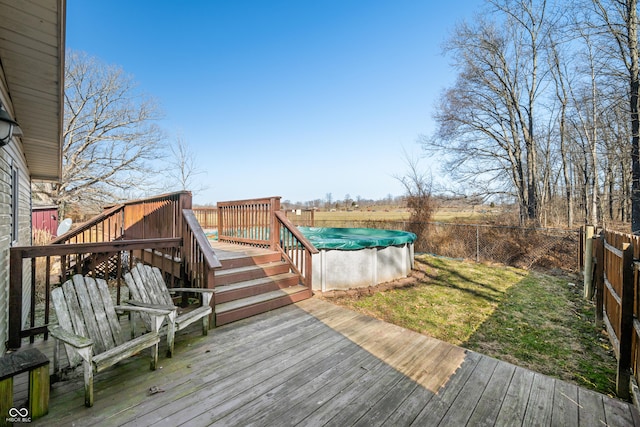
x=533, y=320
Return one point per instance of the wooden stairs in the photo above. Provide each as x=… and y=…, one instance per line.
x=252, y=281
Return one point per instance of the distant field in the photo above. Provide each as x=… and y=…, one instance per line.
x=362, y=215
x=397, y=215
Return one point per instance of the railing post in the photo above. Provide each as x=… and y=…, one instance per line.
x=219, y=220
x=275, y=225
x=210, y=284
x=15, y=299
x=626, y=323
x=185, y=202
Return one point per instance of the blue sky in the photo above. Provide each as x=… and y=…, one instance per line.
x=283, y=98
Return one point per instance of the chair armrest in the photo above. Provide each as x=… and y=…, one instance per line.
x=69, y=338
x=163, y=311
x=200, y=290
x=150, y=305
x=206, y=294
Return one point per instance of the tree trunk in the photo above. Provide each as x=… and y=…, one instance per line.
x=632, y=28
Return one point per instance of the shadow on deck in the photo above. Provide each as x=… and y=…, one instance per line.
x=314, y=363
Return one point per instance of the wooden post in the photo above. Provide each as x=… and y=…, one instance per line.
x=274, y=224
x=626, y=324
x=580, y=254
x=15, y=299
x=39, y=391
x=588, y=263
x=219, y=218
x=598, y=242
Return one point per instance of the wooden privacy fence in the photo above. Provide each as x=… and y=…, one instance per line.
x=616, y=281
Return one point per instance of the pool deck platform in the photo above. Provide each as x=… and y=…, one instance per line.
x=314, y=363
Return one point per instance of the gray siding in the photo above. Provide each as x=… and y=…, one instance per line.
x=5, y=243
x=12, y=156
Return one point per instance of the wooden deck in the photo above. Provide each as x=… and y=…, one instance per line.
x=314, y=363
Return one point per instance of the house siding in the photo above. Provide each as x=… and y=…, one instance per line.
x=11, y=157
x=5, y=242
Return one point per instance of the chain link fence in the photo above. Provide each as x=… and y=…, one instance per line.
x=545, y=248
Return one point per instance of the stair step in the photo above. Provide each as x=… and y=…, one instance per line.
x=255, y=299
x=249, y=272
x=252, y=280
x=247, y=288
x=250, y=306
x=243, y=260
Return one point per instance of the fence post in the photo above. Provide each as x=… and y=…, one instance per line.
x=626, y=323
x=477, y=243
x=588, y=263
x=580, y=254
x=598, y=242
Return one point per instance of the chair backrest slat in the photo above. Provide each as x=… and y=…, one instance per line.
x=162, y=286
x=137, y=292
x=149, y=282
x=91, y=314
x=110, y=311
x=139, y=275
x=75, y=313
x=101, y=312
x=64, y=320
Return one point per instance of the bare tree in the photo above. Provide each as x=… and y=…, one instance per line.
x=184, y=172
x=418, y=196
x=560, y=77
x=111, y=138
x=587, y=105
x=489, y=121
x=620, y=20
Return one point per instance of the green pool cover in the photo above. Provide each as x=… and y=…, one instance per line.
x=351, y=239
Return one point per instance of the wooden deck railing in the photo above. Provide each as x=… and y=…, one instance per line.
x=104, y=227
x=296, y=249
x=199, y=259
x=160, y=231
x=153, y=217
x=303, y=217
x=50, y=265
x=206, y=216
x=261, y=223
x=149, y=218
x=249, y=222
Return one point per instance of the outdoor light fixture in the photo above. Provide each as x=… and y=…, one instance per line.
x=7, y=127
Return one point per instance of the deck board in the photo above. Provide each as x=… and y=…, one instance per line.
x=514, y=403
x=314, y=363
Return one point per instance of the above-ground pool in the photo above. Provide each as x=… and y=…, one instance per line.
x=358, y=257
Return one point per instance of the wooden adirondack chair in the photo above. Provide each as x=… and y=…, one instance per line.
x=148, y=289
x=90, y=329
